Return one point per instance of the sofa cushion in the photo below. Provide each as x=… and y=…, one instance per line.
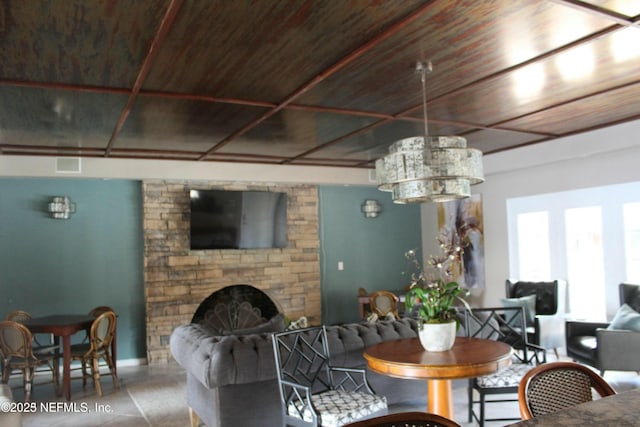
x=275, y=324
x=347, y=342
x=625, y=318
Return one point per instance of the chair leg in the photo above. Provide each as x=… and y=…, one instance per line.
x=6, y=372
x=55, y=372
x=84, y=373
x=109, y=360
x=482, y=402
x=470, y=403
x=28, y=379
x=96, y=375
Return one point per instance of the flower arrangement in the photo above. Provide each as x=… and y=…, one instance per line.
x=433, y=293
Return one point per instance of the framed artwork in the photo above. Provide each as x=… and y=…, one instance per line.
x=464, y=217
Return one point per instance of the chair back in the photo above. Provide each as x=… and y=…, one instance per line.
x=401, y=419
x=19, y=316
x=630, y=295
x=302, y=357
x=384, y=302
x=102, y=331
x=550, y=296
x=15, y=341
x=553, y=386
x=505, y=324
x=95, y=312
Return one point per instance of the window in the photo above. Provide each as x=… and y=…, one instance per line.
x=632, y=241
x=533, y=246
x=585, y=262
x=589, y=237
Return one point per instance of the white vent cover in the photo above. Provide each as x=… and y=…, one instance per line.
x=68, y=165
x=372, y=175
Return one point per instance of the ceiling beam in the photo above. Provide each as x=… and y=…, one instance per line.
x=165, y=25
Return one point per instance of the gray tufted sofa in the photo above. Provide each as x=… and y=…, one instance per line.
x=231, y=380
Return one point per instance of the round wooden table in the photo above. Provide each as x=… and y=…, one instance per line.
x=469, y=357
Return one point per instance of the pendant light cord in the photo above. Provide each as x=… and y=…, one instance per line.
x=423, y=69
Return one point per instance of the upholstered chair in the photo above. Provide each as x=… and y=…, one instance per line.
x=609, y=346
x=548, y=313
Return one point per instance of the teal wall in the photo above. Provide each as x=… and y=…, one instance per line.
x=372, y=250
x=50, y=266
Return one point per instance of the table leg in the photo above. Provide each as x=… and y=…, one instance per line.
x=439, y=398
x=66, y=366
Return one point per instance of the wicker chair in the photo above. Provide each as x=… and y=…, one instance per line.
x=406, y=419
x=99, y=347
x=557, y=385
x=17, y=354
x=383, y=303
x=40, y=346
x=314, y=393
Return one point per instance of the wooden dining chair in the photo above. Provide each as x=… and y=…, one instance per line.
x=402, y=419
x=383, y=303
x=549, y=387
x=40, y=346
x=16, y=347
x=97, y=311
x=98, y=348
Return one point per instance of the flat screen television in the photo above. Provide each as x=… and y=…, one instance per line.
x=224, y=219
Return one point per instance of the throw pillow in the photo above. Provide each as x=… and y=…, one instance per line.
x=625, y=318
x=529, y=304
x=301, y=323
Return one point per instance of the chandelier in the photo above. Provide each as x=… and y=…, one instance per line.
x=430, y=168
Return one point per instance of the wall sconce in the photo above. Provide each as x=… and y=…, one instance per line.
x=371, y=208
x=61, y=207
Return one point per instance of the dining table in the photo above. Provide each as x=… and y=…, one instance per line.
x=64, y=326
x=622, y=409
x=468, y=358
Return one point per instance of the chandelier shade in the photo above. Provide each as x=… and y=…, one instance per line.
x=430, y=168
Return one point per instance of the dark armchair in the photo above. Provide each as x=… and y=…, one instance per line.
x=606, y=349
x=550, y=306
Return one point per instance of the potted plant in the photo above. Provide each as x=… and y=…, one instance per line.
x=433, y=293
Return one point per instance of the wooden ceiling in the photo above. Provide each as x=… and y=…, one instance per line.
x=308, y=82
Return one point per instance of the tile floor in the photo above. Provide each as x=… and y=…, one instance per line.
x=155, y=396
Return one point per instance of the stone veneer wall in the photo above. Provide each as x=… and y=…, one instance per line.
x=177, y=279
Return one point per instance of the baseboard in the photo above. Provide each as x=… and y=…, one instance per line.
x=132, y=362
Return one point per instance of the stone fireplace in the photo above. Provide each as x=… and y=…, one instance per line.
x=177, y=279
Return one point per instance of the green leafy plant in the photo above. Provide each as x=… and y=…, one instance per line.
x=433, y=293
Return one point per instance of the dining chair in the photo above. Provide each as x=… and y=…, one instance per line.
x=40, y=347
x=383, y=303
x=505, y=324
x=312, y=391
x=406, y=419
x=558, y=385
x=99, y=347
x=96, y=311
x=16, y=347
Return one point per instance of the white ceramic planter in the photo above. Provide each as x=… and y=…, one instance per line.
x=437, y=336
